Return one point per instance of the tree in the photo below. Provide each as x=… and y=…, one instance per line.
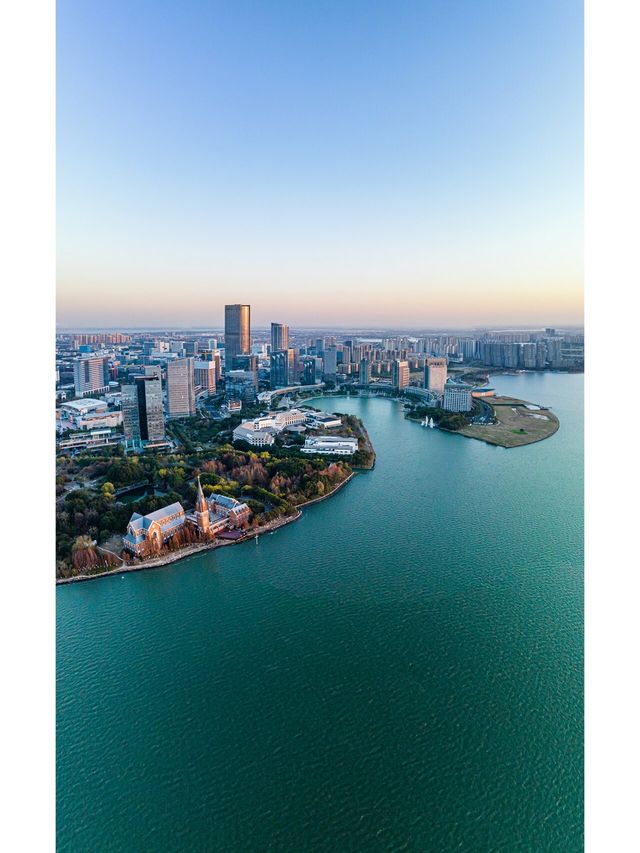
x=108, y=492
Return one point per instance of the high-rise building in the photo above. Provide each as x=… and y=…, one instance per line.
x=237, y=333
x=554, y=353
x=240, y=385
x=90, y=375
x=400, y=374
x=311, y=370
x=248, y=364
x=330, y=363
x=541, y=355
x=467, y=348
x=282, y=367
x=181, y=398
x=511, y=354
x=204, y=375
x=142, y=415
x=435, y=374
x=212, y=355
x=279, y=337
x=528, y=356
x=153, y=370
x=365, y=371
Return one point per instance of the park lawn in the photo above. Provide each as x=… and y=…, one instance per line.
x=512, y=416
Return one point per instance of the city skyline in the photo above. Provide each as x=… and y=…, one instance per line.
x=386, y=167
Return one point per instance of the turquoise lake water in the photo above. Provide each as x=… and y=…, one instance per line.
x=400, y=669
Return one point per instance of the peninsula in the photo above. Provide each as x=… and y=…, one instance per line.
x=514, y=423
x=128, y=512
x=503, y=421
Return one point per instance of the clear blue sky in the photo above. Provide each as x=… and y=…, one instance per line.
x=328, y=162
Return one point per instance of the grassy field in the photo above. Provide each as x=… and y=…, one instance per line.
x=516, y=425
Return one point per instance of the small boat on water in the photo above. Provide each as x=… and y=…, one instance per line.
x=431, y=423
x=425, y=422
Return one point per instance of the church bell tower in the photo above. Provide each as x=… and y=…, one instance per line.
x=202, y=510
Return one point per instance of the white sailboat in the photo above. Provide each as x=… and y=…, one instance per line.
x=431, y=423
x=425, y=422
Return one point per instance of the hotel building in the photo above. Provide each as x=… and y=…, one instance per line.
x=435, y=374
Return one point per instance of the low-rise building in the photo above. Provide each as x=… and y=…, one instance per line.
x=260, y=431
x=87, y=413
x=428, y=397
x=235, y=511
x=330, y=444
x=231, y=407
x=255, y=437
x=90, y=439
x=457, y=398
x=148, y=533
x=322, y=420
x=205, y=518
x=287, y=417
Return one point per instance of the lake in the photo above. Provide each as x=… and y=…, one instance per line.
x=400, y=669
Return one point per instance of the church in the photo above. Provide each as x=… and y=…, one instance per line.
x=217, y=513
x=147, y=534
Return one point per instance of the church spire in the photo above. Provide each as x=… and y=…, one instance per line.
x=201, y=502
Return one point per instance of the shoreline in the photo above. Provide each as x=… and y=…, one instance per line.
x=191, y=550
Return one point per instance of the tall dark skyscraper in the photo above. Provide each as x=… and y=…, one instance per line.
x=237, y=332
x=311, y=370
x=282, y=368
x=279, y=337
x=142, y=410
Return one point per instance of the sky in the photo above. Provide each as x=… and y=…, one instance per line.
x=397, y=163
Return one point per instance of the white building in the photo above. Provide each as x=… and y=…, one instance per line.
x=335, y=445
x=92, y=438
x=181, y=399
x=260, y=431
x=87, y=413
x=288, y=417
x=90, y=375
x=322, y=420
x=254, y=437
x=457, y=398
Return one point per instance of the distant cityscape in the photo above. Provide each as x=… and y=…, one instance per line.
x=122, y=388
